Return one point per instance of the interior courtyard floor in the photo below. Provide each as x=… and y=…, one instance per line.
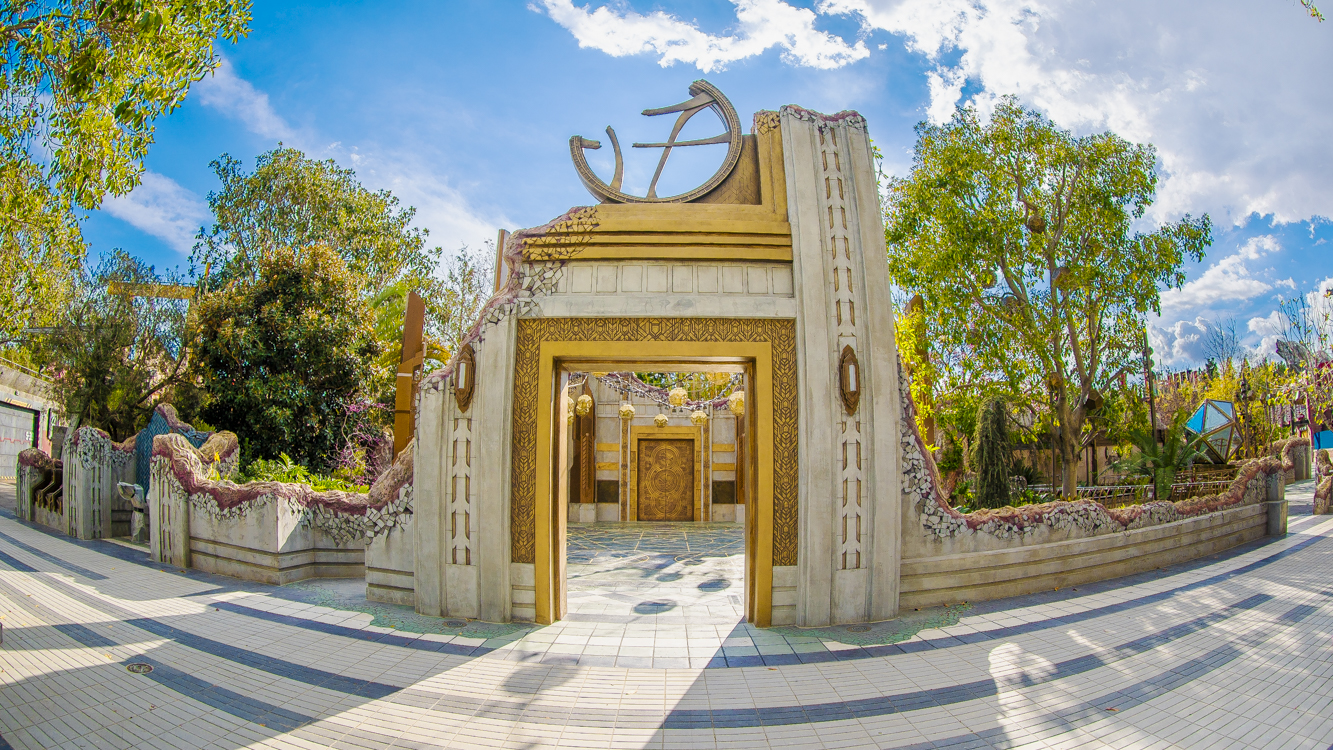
x=1228, y=651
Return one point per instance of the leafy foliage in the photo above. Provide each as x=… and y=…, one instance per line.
x=82, y=83
x=993, y=457
x=112, y=357
x=1160, y=463
x=284, y=354
x=293, y=203
x=992, y=213
x=284, y=469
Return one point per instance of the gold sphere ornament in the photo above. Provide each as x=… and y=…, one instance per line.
x=627, y=411
x=736, y=403
x=698, y=418
x=677, y=396
x=660, y=420
x=583, y=406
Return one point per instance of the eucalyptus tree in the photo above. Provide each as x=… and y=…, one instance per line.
x=1023, y=240
x=81, y=84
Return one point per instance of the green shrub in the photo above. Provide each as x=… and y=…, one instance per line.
x=284, y=469
x=992, y=457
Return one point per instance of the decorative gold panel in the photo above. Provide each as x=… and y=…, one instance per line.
x=779, y=334
x=666, y=480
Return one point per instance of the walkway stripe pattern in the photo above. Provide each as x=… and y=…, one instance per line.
x=1235, y=652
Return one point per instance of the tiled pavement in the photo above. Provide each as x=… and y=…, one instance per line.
x=1232, y=651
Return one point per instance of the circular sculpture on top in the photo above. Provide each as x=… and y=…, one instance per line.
x=660, y=420
x=736, y=403
x=627, y=410
x=583, y=405
x=677, y=397
x=698, y=418
x=706, y=96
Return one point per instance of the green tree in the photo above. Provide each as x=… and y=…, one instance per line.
x=291, y=202
x=1019, y=236
x=286, y=355
x=992, y=456
x=81, y=84
x=113, y=357
x=1160, y=463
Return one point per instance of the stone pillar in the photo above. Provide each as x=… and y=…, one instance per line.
x=847, y=568
x=1276, y=503
x=492, y=429
x=168, y=516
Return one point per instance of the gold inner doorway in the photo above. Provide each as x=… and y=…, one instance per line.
x=666, y=480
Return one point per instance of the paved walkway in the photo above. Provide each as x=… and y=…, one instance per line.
x=1231, y=651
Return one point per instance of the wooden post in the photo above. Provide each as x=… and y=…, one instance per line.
x=409, y=366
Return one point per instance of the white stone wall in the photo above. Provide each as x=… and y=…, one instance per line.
x=460, y=547
x=848, y=563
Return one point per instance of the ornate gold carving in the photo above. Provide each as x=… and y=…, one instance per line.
x=849, y=380
x=706, y=96
x=666, y=480
x=465, y=377
x=780, y=334
x=766, y=121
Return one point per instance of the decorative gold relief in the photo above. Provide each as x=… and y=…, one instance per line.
x=766, y=121
x=465, y=376
x=849, y=380
x=666, y=480
x=779, y=334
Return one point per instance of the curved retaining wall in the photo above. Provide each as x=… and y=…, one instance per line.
x=950, y=557
x=270, y=532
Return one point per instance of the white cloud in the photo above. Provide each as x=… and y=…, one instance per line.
x=1181, y=343
x=236, y=98
x=162, y=208
x=762, y=24
x=1227, y=280
x=1240, y=125
x=1240, y=122
x=1270, y=324
x=441, y=208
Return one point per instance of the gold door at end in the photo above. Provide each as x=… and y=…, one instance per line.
x=666, y=480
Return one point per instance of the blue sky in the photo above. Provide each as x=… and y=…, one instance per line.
x=464, y=110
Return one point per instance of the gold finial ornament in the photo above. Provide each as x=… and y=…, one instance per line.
x=736, y=403
x=677, y=397
x=583, y=406
x=705, y=96
x=698, y=418
x=660, y=420
x=627, y=411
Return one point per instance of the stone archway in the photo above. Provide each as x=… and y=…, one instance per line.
x=767, y=345
x=768, y=268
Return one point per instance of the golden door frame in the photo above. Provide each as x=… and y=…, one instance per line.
x=677, y=432
x=765, y=346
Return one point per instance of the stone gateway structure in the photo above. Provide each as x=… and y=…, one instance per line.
x=771, y=276
x=772, y=271
x=760, y=272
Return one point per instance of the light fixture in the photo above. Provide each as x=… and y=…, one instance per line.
x=627, y=410
x=736, y=403
x=698, y=418
x=677, y=397
x=465, y=377
x=583, y=405
x=660, y=420
x=849, y=380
